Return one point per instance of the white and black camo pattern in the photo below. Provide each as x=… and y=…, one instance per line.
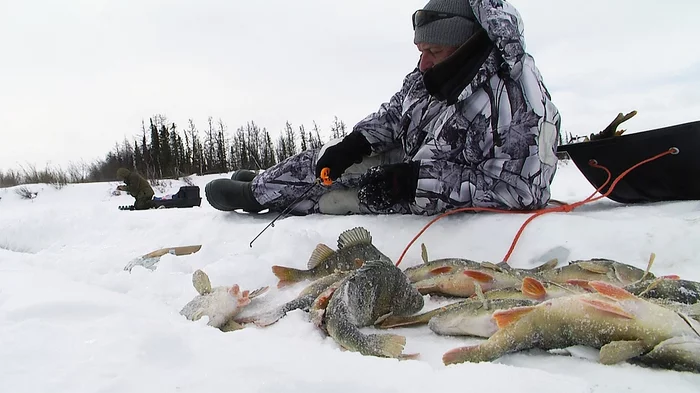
x=495, y=147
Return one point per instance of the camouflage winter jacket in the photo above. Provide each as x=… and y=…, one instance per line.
x=136, y=185
x=494, y=147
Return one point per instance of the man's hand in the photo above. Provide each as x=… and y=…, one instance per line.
x=382, y=187
x=339, y=157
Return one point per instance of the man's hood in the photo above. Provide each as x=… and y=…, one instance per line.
x=123, y=173
x=496, y=47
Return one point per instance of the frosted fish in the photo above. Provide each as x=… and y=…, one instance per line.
x=221, y=304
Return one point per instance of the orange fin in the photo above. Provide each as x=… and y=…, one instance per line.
x=671, y=277
x=532, y=288
x=441, y=270
x=608, y=307
x=286, y=275
x=610, y=290
x=409, y=356
x=585, y=284
x=478, y=276
x=506, y=317
x=459, y=355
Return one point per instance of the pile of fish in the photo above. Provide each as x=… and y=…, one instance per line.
x=629, y=314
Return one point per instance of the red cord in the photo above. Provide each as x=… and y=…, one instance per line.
x=536, y=213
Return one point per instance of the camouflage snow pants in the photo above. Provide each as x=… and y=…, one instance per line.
x=290, y=181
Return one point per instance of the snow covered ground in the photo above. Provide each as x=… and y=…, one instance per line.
x=72, y=320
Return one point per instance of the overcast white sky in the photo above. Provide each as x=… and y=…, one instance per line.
x=76, y=76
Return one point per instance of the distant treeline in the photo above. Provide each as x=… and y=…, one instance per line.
x=163, y=150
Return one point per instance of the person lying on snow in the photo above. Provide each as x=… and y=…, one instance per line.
x=472, y=126
x=138, y=187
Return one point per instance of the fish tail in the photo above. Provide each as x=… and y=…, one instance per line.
x=387, y=345
x=471, y=354
x=288, y=275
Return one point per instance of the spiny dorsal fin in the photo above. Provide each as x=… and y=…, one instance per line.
x=353, y=237
x=424, y=253
x=320, y=254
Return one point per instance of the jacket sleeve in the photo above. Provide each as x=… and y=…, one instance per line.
x=382, y=128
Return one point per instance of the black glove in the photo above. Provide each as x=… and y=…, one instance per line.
x=382, y=187
x=351, y=150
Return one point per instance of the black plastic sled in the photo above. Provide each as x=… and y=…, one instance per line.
x=187, y=196
x=669, y=178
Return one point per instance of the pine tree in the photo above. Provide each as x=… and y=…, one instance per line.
x=221, y=159
x=338, y=128
x=155, y=152
x=165, y=151
x=302, y=134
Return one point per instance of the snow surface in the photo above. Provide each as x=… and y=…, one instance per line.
x=72, y=320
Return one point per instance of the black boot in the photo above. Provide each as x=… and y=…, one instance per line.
x=229, y=195
x=243, y=175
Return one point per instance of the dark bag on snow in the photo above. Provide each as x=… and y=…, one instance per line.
x=669, y=178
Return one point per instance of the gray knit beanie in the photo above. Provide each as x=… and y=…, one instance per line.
x=451, y=31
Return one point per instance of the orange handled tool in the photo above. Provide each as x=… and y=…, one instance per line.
x=325, y=176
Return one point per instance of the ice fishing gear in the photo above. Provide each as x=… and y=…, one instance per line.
x=324, y=179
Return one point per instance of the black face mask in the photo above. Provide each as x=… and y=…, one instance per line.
x=446, y=80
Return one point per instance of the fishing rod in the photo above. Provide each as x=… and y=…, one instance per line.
x=325, y=179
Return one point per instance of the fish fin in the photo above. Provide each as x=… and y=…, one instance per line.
x=409, y=356
x=461, y=355
x=230, y=326
x=492, y=266
x=533, y=288
x=585, y=284
x=201, y=282
x=652, y=257
x=504, y=318
x=317, y=310
x=258, y=292
x=420, y=319
x=611, y=291
x=424, y=253
x=353, y=237
x=425, y=288
x=607, y=307
x=549, y=265
x=321, y=253
x=389, y=345
x=671, y=277
x=441, y=270
x=478, y=276
x=287, y=275
x=593, y=267
x=479, y=293
x=619, y=351
x=383, y=318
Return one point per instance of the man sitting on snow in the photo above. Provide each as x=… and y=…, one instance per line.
x=138, y=187
x=472, y=126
